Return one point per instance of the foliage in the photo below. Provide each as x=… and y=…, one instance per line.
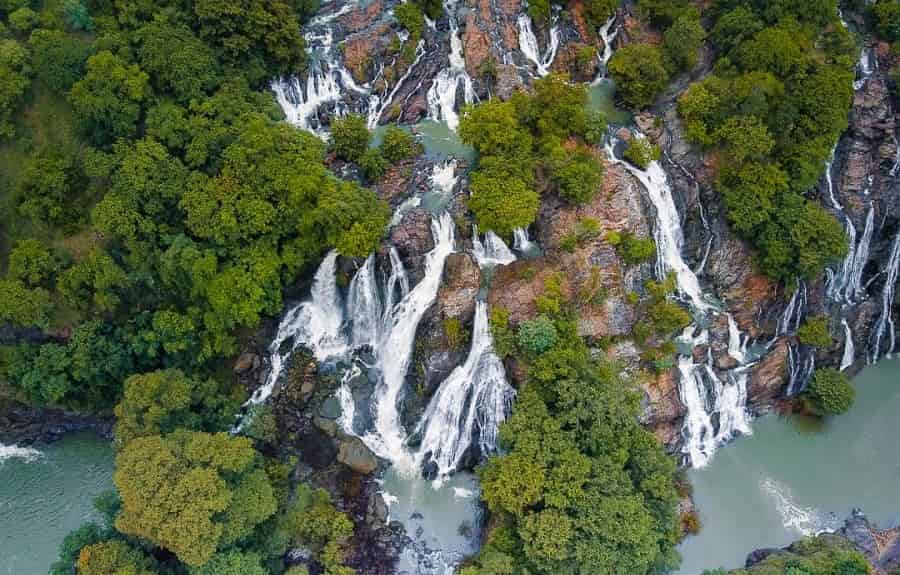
x=454, y=332
x=77, y=16
x=397, y=144
x=682, y=42
x=830, y=392
x=887, y=17
x=639, y=73
x=641, y=152
x=373, y=164
x=21, y=305
x=662, y=13
x=820, y=555
x=73, y=543
x=178, y=62
x=191, y=492
x=313, y=522
x=93, y=283
x=112, y=557
x=814, y=331
x=350, y=135
x=58, y=59
x=13, y=84
x=31, y=262
x=48, y=183
x=537, y=335
x=504, y=339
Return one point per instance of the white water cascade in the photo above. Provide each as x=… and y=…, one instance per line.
x=493, y=251
x=529, y=46
x=608, y=35
x=522, y=243
x=442, y=94
x=364, y=306
x=793, y=312
x=849, y=351
x=474, y=397
x=866, y=66
x=884, y=332
x=315, y=323
x=668, y=234
x=16, y=452
x=716, y=409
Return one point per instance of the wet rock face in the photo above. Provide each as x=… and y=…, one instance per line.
x=768, y=377
x=662, y=410
x=24, y=426
x=462, y=279
x=353, y=453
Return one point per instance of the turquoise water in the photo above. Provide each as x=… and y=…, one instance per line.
x=792, y=478
x=46, y=495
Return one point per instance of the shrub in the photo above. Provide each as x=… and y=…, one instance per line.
x=31, y=262
x=23, y=19
x=814, y=332
x=454, y=332
x=373, y=164
x=504, y=340
x=398, y=144
x=350, y=137
x=830, y=393
x=632, y=249
x=578, y=177
x=641, y=152
x=537, y=335
x=639, y=73
x=887, y=16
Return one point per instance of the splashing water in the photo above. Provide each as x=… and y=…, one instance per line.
x=522, y=243
x=475, y=398
x=16, y=452
x=608, y=35
x=885, y=325
x=528, y=44
x=493, y=251
x=364, y=306
x=395, y=351
x=442, y=94
x=316, y=323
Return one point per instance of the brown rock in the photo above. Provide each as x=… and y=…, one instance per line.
x=476, y=46
x=663, y=411
x=245, y=362
x=456, y=298
x=769, y=376
x=354, y=454
x=360, y=18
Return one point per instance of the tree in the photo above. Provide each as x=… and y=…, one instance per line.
x=313, y=522
x=43, y=373
x=58, y=58
x=814, y=331
x=73, y=543
x=641, y=152
x=350, y=136
x=639, y=74
x=662, y=13
x=830, y=392
x=887, y=15
x=189, y=492
x=31, y=262
x=178, y=62
x=50, y=179
x=682, y=42
x=13, y=84
x=21, y=305
x=501, y=201
x=93, y=283
x=232, y=563
x=734, y=27
x=397, y=144
x=107, y=100
x=77, y=16
x=579, y=176
x=113, y=558
x=537, y=335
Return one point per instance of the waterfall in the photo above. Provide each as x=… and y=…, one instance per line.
x=885, y=325
x=475, y=396
x=364, y=307
x=801, y=366
x=849, y=351
x=867, y=64
x=668, y=234
x=16, y=452
x=492, y=251
x=442, y=94
x=378, y=104
x=793, y=312
x=528, y=44
x=398, y=278
x=396, y=347
x=608, y=35
x=737, y=348
x=522, y=243
x=315, y=323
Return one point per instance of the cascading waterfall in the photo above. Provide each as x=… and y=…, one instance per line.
x=522, y=243
x=884, y=328
x=793, y=312
x=716, y=409
x=475, y=397
x=378, y=104
x=364, y=306
x=668, y=234
x=442, y=94
x=608, y=35
x=849, y=351
x=396, y=346
x=493, y=251
x=316, y=323
x=529, y=46
x=801, y=367
x=866, y=66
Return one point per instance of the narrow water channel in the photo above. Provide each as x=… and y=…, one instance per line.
x=793, y=478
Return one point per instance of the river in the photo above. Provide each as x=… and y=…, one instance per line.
x=793, y=477
x=45, y=494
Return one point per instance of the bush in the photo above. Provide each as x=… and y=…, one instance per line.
x=887, y=16
x=454, y=332
x=537, y=335
x=578, y=178
x=373, y=164
x=31, y=262
x=350, y=137
x=641, y=152
x=682, y=42
x=639, y=73
x=814, y=332
x=632, y=249
x=830, y=393
x=398, y=144
x=23, y=19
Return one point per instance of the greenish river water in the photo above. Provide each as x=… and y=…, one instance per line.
x=45, y=494
x=793, y=478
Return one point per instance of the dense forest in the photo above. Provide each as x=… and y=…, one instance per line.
x=154, y=206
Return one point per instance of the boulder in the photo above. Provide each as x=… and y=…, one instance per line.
x=246, y=362
x=768, y=377
x=462, y=280
x=353, y=453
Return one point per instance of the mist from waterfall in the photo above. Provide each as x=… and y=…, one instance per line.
x=473, y=400
x=529, y=46
x=442, y=94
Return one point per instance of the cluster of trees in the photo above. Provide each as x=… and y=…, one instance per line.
x=351, y=141
x=821, y=555
x=771, y=112
x=829, y=393
x=533, y=143
x=596, y=12
x=156, y=205
x=580, y=486
x=642, y=70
